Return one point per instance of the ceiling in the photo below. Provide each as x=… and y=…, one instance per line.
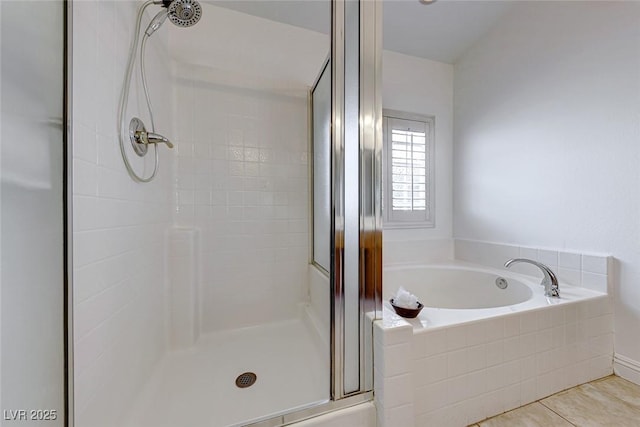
x=441, y=31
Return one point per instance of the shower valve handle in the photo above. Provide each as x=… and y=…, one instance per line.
x=153, y=138
x=140, y=138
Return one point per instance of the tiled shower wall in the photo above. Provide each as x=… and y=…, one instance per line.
x=242, y=181
x=119, y=225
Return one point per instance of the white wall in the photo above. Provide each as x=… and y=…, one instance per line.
x=546, y=142
x=119, y=225
x=422, y=86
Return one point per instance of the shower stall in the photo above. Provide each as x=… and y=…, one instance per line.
x=227, y=242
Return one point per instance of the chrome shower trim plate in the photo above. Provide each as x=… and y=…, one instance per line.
x=135, y=128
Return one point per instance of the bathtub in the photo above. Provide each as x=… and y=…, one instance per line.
x=476, y=350
x=459, y=292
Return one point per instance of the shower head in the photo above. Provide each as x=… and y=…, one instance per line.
x=184, y=13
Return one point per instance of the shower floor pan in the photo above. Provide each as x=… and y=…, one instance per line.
x=197, y=387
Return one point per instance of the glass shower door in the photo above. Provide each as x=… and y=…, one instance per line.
x=32, y=348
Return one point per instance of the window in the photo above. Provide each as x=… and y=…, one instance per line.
x=408, y=191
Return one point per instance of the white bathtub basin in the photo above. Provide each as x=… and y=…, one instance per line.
x=455, y=287
x=459, y=292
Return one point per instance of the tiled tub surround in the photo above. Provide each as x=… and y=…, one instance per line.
x=590, y=271
x=431, y=372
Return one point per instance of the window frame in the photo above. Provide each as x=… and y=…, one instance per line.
x=396, y=221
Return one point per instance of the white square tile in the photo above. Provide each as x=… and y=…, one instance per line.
x=467, y=250
x=594, y=281
x=435, y=342
x=602, y=345
x=511, y=348
x=477, y=383
x=528, y=322
x=570, y=313
x=569, y=260
x=511, y=396
x=557, y=315
x=544, y=340
x=392, y=329
x=495, y=255
x=431, y=397
x=599, y=306
x=495, y=329
x=495, y=352
x=457, y=363
x=396, y=359
x=400, y=416
x=544, y=319
x=558, y=336
x=511, y=372
x=456, y=337
x=571, y=277
x=494, y=403
x=570, y=333
x=477, y=333
x=544, y=362
x=495, y=376
x=476, y=358
x=84, y=144
x=528, y=391
x=528, y=367
x=528, y=344
x=548, y=257
x=529, y=253
x=458, y=389
x=511, y=325
x=431, y=369
x=545, y=385
x=476, y=409
x=600, y=325
x=601, y=366
x=594, y=264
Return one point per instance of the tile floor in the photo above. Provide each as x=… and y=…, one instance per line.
x=610, y=401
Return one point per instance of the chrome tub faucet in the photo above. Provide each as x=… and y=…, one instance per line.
x=549, y=281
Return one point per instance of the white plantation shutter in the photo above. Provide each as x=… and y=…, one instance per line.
x=408, y=164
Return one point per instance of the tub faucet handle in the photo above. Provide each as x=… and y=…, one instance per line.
x=549, y=281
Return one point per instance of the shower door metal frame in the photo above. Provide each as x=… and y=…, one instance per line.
x=370, y=207
x=68, y=212
x=369, y=195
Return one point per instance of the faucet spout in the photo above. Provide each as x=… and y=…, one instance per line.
x=549, y=281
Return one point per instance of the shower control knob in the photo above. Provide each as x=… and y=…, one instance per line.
x=140, y=138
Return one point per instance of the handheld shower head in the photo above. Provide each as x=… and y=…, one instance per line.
x=156, y=22
x=184, y=13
